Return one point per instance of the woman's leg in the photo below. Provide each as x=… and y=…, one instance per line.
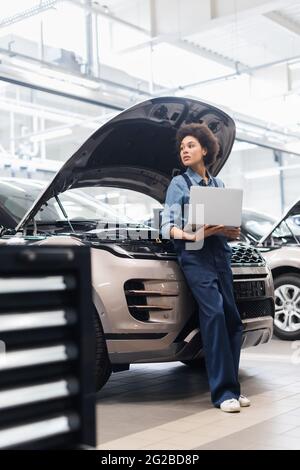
x=232, y=316
x=220, y=361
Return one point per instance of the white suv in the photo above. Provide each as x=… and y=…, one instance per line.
x=144, y=310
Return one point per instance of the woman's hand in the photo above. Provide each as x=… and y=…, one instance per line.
x=204, y=232
x=208, y=230
x=232, y=233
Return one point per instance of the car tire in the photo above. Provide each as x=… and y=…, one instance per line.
x=198, y=363
x=289, y=285
x=103, y=365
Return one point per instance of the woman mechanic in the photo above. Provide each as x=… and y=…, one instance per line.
x=207, y=270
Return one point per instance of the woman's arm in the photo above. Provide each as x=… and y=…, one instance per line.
x=204, y=232
x=172, y=213
x=179, y=234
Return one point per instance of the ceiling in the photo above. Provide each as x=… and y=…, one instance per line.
x=242, y=55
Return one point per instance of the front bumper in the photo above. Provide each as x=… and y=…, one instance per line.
x=256, y=331
x=149, y=314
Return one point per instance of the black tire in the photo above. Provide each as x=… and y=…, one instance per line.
x=293, y=280
x=103, y=365
x=198, y=363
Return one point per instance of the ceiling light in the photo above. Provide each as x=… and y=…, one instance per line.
x=13, y=186
x=30, y=109
x=240, y=145
x=77, y=80
x=262, y=174
x=294, y=65
x=65, y=76
x=270, y=171
x=34, y=164
x=51, y=134
x=31, y=183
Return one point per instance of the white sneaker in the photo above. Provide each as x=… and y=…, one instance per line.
x=230, y=406
x=244, y=401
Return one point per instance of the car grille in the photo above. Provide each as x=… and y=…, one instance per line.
x=245, y=255
x=249, y=289
x=256, y=308
x=43, y=326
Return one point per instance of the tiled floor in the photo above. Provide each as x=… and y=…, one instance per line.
x=167, y=406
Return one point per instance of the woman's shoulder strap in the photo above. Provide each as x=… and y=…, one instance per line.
x=218, y=183
x=187, y=180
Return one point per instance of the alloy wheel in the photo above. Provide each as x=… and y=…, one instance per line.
x=287, y=307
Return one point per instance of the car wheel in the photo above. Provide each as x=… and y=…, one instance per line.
x=287, y=306
x=103, y=365
x=198, y=363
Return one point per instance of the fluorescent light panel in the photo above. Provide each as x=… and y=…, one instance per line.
x=269, y=172
x=32, y=320
x=16, y=285
x=39, y=430
x=37, y=356
x=49, y=72
x=13, y=186
x=36, y=393
x=51, y=134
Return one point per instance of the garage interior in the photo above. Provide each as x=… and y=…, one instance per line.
x=57, y=89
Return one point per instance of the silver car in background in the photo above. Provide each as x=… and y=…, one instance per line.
x=279, y=243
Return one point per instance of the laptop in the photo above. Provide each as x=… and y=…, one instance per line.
x=214, y=206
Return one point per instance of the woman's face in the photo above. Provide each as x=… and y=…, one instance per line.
x=191, y=151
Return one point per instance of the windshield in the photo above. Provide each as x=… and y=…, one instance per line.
x=286, y=227
x=258, y=225
x=105, y=204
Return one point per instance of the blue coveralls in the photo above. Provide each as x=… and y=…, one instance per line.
x=209, y=276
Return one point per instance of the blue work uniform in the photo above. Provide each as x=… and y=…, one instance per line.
x=209, y=276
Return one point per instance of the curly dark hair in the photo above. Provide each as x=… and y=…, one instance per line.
x=205, y=137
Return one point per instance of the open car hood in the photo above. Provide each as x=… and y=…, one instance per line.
x=293, y=210
x=136, y=149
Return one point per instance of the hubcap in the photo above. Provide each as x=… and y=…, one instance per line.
x=287, y=308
